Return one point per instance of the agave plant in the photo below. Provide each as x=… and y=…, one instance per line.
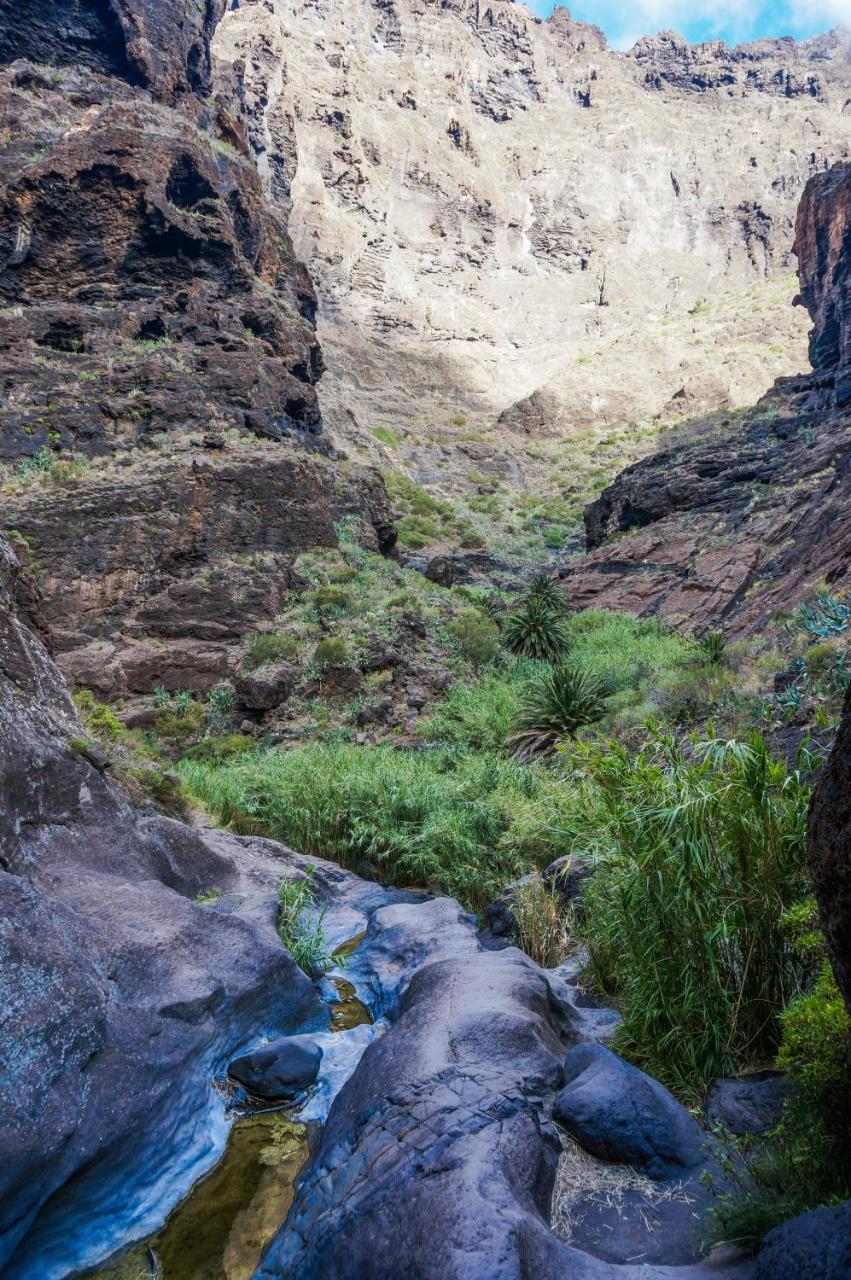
x=536, y=631
x=713, y=647
x=553, y=708
x=548, y=592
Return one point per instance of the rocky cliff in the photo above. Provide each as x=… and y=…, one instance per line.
x=516, y=231
x=746, y=515
x=159, y=416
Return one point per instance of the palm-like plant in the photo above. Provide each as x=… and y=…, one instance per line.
x=548, y=592
x=553, y=708
x=535, y=630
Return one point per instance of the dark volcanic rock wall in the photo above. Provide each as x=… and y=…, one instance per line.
x=147, y=288
x=151, y=305
x=829, y=852
x=745, y=515
x=823, y=246
x=118, y=995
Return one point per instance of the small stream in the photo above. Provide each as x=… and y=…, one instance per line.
x=219, y=1231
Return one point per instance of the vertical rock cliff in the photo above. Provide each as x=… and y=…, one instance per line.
x=159, y=352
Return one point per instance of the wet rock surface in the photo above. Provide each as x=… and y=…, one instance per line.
x=280, y=1069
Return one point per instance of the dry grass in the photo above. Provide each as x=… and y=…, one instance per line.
x=543, y=925
x=582, y=1177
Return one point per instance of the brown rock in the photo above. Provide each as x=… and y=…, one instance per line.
x=266, y=688
x=340, y=681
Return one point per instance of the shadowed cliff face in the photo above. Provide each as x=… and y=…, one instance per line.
x=749, y=514
x=823, y=246
x=829, y=852
x=147, y=287
x=151, y=307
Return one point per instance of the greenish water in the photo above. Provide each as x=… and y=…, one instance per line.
x=222, y=1227
x=220, y=1230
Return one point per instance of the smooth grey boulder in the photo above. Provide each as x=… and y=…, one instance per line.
x=278, y=1070
x=753, y=1104
x=814, y=1246
x=622, y=1115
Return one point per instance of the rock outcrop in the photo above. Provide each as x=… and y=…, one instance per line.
x=829, y=852
x=148, y=288
x=515, y=231
x=119, y=996
x=156, y=328
x=746, y=515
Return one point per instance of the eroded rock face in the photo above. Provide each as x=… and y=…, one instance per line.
x=147, y=287
x=151, y=572
x=824, y=268
x=829, y=852
x=507, y=234
x=743, y=516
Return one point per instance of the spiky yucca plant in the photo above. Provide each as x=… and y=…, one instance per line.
x=547, y=591
x=553, y=708
x=713, y=647
x=534, y=630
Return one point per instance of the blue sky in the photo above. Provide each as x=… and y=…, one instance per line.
x=625, y=20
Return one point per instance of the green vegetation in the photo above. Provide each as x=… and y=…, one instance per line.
x=544, y=930
x=136, y=763
x=535, y=630
x=806, y=1161
x=266, y=647
x=301, y=924
x=476, y=635
x=463, y=822
x=698, y=855
x=553, y=707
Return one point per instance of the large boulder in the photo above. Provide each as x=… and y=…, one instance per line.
x=815, y=1246
x=620, y=1114
x=266, y=688
x=279, y=1070
x=751, y=1104
x=829, y=851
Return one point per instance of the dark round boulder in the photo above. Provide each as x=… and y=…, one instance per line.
x=622, y=1115
x=752, y=1104
x=814, y=1246
x=281, y=1069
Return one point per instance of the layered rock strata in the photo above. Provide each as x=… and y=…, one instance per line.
x=156, y=327
x=516, y=231
x=744, y=516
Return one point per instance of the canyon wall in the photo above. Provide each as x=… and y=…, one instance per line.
x=159, y=418
x=742, y=517
x=515, y=230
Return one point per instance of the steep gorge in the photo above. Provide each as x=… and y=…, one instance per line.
x=517, y=233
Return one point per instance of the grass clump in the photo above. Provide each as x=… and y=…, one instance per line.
x=698, y=856
x=543, y=927
x=301, y=925
x=460, y=822
x=266, y=647
x=552, y=708
x=476, y=635
x=330, y=651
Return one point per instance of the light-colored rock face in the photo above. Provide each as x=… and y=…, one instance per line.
x=469, y=184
